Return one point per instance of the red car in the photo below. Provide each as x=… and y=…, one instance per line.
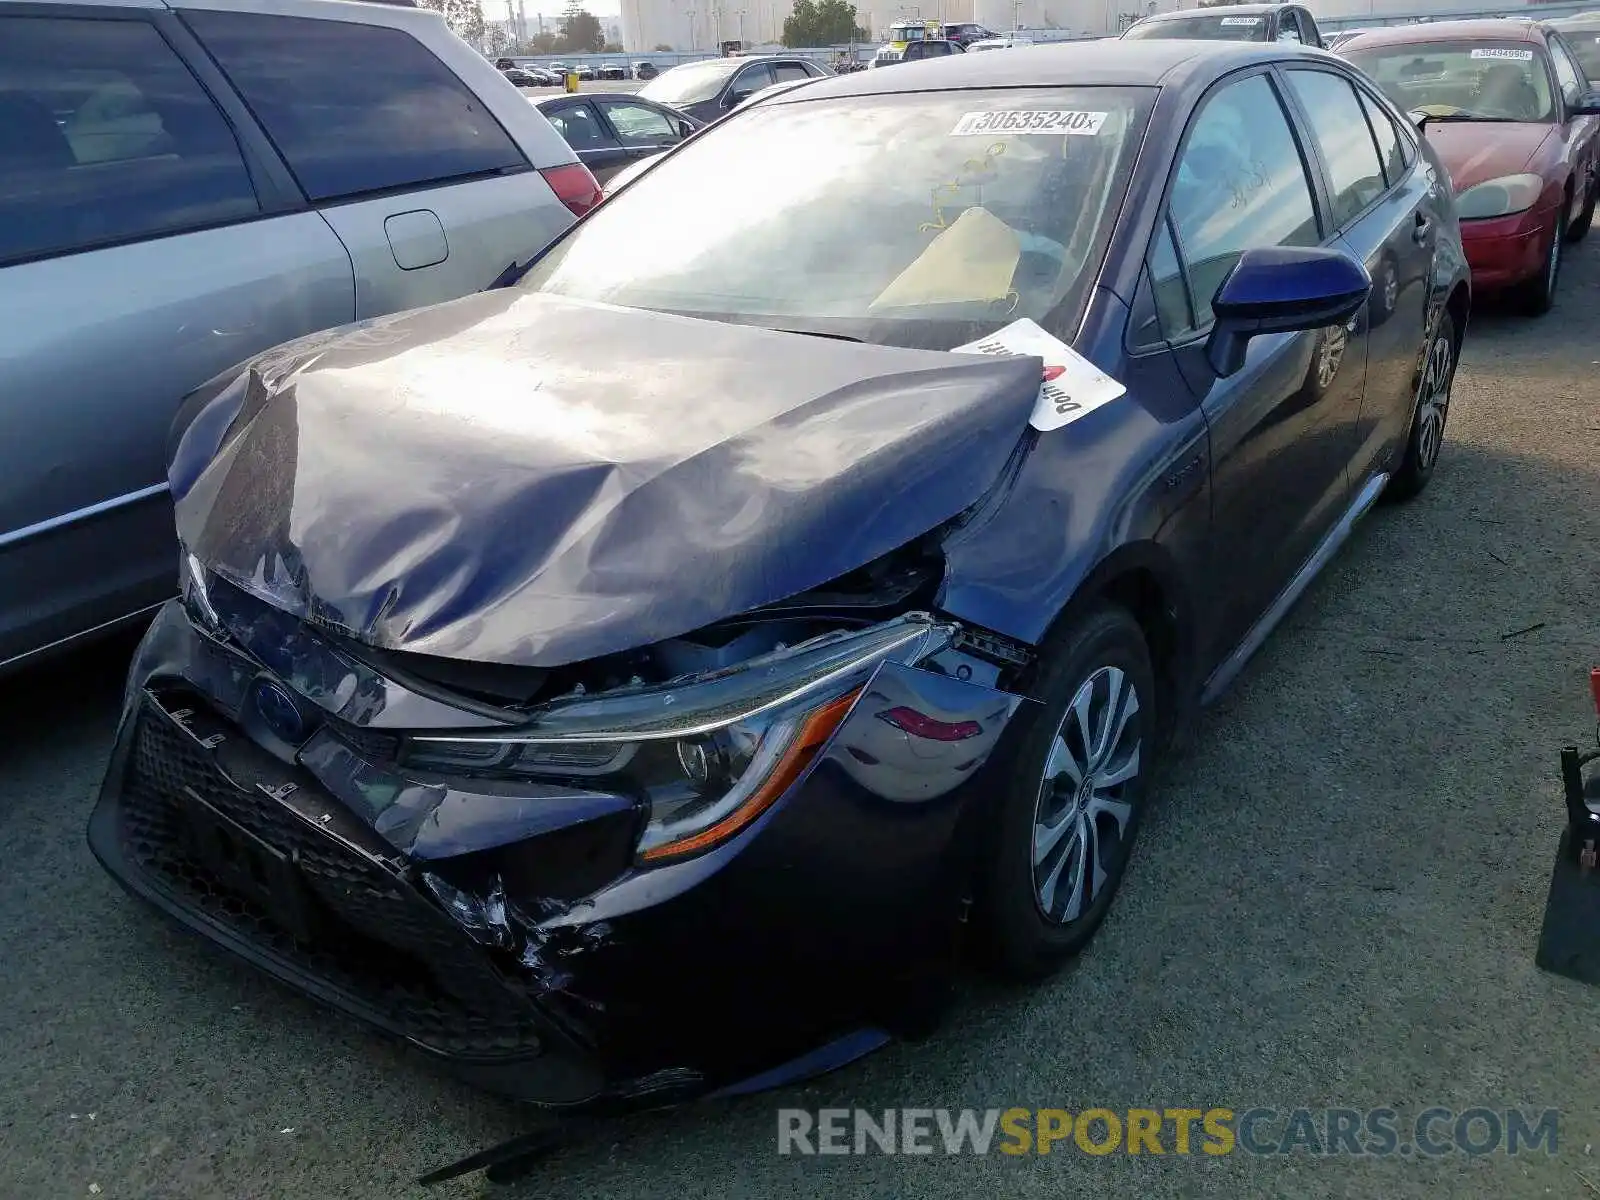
x=1513, y=117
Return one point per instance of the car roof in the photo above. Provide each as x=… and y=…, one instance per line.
x=1107, y=63
x=1219, y=10
x=1481, y=29
x=576, y=97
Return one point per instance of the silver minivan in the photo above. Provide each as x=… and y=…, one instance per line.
x=185, y=184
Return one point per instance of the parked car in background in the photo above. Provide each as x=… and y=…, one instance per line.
x=611, y=130
x=904, y=33
x=1232, y=22
x=522, y=77
x=998, y=43
x=828, y=475
x=1513, y=117
x=613, y=71
x=967, y=32
x=777, y=89
x=1581, y=34
x=711, y=88
x=927, y=48
x=584, y=72
x=245, y=186
x=645, y=70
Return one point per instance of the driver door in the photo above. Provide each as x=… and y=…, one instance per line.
x=1283, y=428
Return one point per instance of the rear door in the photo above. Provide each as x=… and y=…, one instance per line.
x=1387, y=216
x=597, y=146
x=149, y=240
x=424, y=186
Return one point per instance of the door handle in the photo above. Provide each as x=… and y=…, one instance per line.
x=1423, y=229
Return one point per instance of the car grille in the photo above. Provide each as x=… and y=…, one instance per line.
x=376, y=939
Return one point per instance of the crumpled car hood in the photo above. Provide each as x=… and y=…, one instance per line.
x=521, y=478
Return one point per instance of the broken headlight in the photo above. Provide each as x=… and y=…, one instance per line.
x=707, y=755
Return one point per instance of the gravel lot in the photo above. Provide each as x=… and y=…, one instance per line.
x=1335, y=903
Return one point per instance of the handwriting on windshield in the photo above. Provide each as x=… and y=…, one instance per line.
x=974, y=172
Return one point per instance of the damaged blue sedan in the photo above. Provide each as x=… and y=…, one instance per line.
x=647, y=679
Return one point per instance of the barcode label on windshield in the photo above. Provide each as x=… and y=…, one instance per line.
x=1241, y=20
x=1049, y=121
x=1499, y=52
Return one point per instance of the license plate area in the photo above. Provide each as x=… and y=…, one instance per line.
x=240, y=862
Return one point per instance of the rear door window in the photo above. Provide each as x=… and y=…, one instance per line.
x=784, y=72
x=355, y=108
x=637, y=125
x=753, y=79
x=105, y=137
x=580, y=128
x=1355, y=177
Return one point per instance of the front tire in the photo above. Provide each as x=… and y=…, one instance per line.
x=1426, y=439
x=1539, y=295
x=1072, y=802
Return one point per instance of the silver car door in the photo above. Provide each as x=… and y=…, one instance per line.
x=144, y=248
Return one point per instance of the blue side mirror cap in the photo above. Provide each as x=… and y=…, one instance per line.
x=1283, y=289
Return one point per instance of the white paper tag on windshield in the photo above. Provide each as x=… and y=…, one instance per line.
x=1048, y=121
x=1241, y=20
x=1501, y=52
x=1072, y=387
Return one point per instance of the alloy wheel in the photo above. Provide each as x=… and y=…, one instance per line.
x=1433, y=400
x=1552, y=266
x=1081, y=819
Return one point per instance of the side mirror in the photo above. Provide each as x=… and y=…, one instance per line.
x=1282, y=289
x=1588, y=106
x=738, y=97
x=685, y=129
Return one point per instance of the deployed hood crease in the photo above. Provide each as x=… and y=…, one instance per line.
x=526, y=479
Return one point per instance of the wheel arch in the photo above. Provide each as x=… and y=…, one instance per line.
x=1142, y=578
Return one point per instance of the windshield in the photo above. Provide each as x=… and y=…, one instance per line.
x=907, y=33
x=691, y=83
x=921, y=220
x=1210, y=28
x=1494, y=81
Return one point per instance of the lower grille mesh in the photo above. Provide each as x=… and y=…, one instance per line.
x=376, y=940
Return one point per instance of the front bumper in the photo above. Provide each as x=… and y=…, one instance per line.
x=1504, y=252
x=834, y=913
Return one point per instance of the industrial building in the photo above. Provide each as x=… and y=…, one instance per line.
x=703, y=25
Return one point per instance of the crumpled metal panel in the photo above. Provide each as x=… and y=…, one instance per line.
x=528, y=479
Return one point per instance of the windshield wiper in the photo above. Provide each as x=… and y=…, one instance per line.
x=1429, y=118
x=838, y=337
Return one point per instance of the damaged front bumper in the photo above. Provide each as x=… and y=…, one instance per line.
x=262, y=793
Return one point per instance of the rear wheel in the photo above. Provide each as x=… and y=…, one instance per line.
x=1072, y=801
x=1539, y=295
x=1426, y=438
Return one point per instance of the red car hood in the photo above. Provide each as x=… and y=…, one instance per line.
x=1474, y=151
